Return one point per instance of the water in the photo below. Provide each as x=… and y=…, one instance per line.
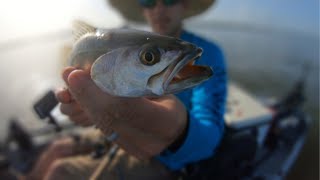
x=266, y=63
x=269, y=58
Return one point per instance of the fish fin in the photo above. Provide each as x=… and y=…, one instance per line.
x=80, y=28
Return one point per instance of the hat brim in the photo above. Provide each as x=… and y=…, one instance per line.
x=131, y=10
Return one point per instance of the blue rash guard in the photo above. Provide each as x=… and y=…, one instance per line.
x=206, y=106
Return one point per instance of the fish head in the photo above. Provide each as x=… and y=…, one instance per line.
x=149, y=65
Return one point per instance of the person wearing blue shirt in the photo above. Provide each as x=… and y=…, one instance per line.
x=174, y=130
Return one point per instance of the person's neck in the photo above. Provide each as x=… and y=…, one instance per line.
x=176, y=32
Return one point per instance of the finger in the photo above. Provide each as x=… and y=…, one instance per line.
x=71, y=109
x=66, y=72
x=81, y=119
x=86, y=92
x=63, y=95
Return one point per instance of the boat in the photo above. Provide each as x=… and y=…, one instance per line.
x=263, y=138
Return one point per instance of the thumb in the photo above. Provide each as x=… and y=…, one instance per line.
x=85, y=91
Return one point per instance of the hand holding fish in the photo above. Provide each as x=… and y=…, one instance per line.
x=145, y=126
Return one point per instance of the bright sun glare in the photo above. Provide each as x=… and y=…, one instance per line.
x=19, y=18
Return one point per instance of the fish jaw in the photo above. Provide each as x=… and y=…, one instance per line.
x=185, y=74
x=196, y=79
x=181, y=74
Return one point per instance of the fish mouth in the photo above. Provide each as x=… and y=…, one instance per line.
x=183, y=74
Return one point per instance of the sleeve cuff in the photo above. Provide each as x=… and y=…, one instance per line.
x=202, y=138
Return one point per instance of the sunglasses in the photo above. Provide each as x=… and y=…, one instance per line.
x=153, y=3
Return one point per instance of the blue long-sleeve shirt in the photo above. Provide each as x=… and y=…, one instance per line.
x=206, y=106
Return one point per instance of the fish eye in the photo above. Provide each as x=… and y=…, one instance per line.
x=150, y=56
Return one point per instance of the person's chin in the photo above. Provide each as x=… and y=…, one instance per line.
x=161, y=29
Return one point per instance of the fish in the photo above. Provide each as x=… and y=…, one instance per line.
x=133, y=63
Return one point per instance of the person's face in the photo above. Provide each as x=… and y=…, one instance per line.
x=164, y=19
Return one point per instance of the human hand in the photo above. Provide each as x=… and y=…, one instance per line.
x=145, y=126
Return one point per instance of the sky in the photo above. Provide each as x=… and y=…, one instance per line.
x=19, y=18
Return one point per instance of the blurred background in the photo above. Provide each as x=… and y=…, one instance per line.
x=268, y=46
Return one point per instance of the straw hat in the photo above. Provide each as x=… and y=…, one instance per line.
x=131, y=10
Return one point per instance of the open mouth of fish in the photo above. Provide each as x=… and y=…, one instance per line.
x=183, y=74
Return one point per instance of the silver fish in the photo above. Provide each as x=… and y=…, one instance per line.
x=132, y=63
